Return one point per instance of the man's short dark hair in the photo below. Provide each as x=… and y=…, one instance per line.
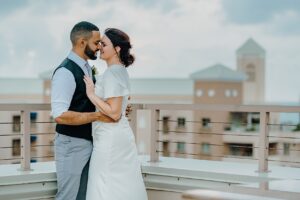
x=82, y=29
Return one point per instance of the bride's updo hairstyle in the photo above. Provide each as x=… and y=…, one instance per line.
x=120, y=39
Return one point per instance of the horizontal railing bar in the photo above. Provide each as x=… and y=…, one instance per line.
x=220, y=145
x=42, y=133
x=278, y=149
x=283, y=161
x=195, y=107
x=52, y=122
x=49, y=156
x=8, y=123
x=284, y=137
x=228, y=108
x=283, y=124
x=25, y=106
x=192, y=121
x=43, y=145
x=30, y=134
x=32, y=122
x=202, y=122
x=11, y=158
x=204, y=133
x=217, y=156
x=14, y=134
x=6, y=147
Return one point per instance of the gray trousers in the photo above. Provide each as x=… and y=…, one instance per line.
x=72, y=164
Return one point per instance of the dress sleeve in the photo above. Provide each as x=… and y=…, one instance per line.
x=114, y=84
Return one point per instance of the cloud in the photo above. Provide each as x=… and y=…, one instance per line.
x=9, y=7
x=257, y=11
x=164, y=6
x=170, y=38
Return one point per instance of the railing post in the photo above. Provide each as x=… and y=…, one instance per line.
x=263, y=142
x=25, y=140
x=154, y=154
x=133, y=118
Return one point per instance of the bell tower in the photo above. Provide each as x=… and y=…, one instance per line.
x=251, y=60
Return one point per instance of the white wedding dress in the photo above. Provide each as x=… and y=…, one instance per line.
x=115, y=172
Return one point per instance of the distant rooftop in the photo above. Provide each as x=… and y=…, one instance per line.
x=166, y=86
x=21, y=86
x=148, y=86
x=218, y=72
x=251, y=47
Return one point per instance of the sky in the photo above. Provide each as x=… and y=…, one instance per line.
x=171, y=38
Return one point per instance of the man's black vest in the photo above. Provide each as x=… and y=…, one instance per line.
x=79, y=103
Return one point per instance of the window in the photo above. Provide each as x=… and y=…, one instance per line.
x=165, y=148
x=231, y=93
x=237, y=149
x=250, y=71
x=16, y=147
x=205, y=148
x=166, y=124
x=181, y=122
x=272, y=148
x=181, y=147
x=33, y=138
x=286, y=148
x=33, y=117
x=211, y=93
x=199, y=93
x=205, y=122
x=16, y=123
x=234, y=93
x=227, y=93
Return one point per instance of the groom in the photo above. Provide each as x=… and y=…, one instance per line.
x=73, y=112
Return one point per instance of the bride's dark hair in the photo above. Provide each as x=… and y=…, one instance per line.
x=122, y=40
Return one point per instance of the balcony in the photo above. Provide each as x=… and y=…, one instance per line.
x=190, y=172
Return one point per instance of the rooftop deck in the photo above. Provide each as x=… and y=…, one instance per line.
x=168, y=176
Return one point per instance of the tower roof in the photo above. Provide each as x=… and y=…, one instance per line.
x=218, y=72
x=250, y=47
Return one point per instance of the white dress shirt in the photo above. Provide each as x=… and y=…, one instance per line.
x=64, y=85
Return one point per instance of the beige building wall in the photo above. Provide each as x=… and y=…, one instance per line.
x=211, y=125
x=218, y=92
x=161, y=98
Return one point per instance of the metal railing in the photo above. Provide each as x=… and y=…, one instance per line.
x=263, y=135
x=155, y=131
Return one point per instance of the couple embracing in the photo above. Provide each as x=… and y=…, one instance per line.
x=95, y=151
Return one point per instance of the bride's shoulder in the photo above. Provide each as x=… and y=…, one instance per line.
x=98, y=76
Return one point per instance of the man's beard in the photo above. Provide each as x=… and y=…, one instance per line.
x=90, y=53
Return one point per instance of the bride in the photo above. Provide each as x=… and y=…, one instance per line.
x=114, y=172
